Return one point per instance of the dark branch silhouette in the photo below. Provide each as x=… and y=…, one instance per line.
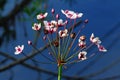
x=14, y=12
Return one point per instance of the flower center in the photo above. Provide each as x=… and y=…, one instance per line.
x=82, y=56
x=19, y=49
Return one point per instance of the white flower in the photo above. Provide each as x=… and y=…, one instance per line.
x=95, y=40
x=71, y=14
x=36, y=26
x=50, y=26
x=42, y=16
x=61, y=23
x=82, y=55
x=19, y=49
x=101, y=48
x=63, y=33
x=53, y=22
x=58, y=23
x=82, y=44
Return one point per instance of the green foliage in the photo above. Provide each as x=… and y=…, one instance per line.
x=31, y=10
x=34, y=8
x=2, y=3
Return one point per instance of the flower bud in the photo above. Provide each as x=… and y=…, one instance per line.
x=86, y=21
x=66, y=22
x=46, y=31
x=53, y=11
x=44, y=37
x=29, y=42
x=57, y=16
x=82, y=38
x=72, y=35
x=56, y=43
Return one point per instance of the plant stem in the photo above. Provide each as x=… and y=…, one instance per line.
x=59, y=72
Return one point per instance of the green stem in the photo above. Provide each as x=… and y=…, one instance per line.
x=59, y=72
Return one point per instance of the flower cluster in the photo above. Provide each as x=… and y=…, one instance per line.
x=63, y=37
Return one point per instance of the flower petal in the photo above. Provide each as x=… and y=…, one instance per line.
x=80, y=15
x=101, y=48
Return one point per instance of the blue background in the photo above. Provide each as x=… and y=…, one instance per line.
x=104, y=19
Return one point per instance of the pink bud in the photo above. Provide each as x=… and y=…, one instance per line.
x=86, y=21
x=49, y=53
x=57, y=16
x=66, y=22
x=44, y=38
x=53, y=11
x=29, y=42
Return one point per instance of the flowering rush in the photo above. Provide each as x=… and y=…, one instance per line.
x=19, y=49
x=36, y=26
x=42, y=16
x=61, y=37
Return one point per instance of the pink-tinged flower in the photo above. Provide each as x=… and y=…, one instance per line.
x=61, y=23
x=82, y=44
x=19, y=49
x=71, y=14
x=82, y=55
x=95, y=40
x=58, y=23
x=82, y=38
x=36, y=26
x=42, y=16
x=101, y=48
x=50, y=26
x=63, y=33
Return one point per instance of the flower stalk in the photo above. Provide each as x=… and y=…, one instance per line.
x=59, y=72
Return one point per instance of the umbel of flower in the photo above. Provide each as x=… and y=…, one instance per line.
x=61, y=47
x=53, y=25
